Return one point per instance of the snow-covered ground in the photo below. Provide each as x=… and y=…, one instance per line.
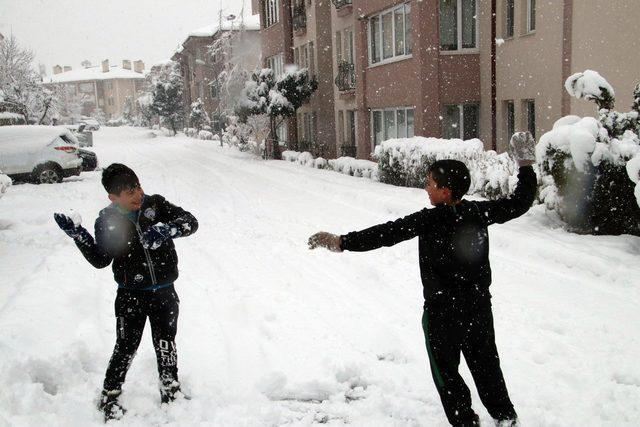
x=274, y=334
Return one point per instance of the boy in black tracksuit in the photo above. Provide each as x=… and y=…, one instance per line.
x=455, y=272
x=135, y=234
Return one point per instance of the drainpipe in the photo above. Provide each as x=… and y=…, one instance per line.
x=494, y=101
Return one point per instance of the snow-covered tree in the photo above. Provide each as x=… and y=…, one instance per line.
x=276, y=98
x=583, y=162
x=198, y=117
x=19, y=81
x=127, y=110
x=145, y=113
x=168, y=101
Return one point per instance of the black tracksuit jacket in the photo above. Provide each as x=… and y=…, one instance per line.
x=453, y=240
x=117, y=239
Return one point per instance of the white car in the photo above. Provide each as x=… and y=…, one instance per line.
x=43, y=154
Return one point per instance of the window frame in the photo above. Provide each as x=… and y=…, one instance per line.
x=271, y=12
x=531, y=13
x=461, y=117
x=380, y=40
x=277, y=73
x=509, y=30
x=460, y=49
x=395, y=110
x=530, y=109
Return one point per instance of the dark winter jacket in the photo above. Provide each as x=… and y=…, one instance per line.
x=453, y=239
x=117, y=239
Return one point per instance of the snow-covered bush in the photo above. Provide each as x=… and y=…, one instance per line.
x=115, y=122
x=406, y=161
x=583, y=163
x=355, y=167
x=206, y=135
x=345, y=165
x=191, y=132
x=5, y=183
x=198, y=117
x=493, y=175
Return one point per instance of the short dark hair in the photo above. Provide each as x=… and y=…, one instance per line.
x=118, y=177
x=451, y=174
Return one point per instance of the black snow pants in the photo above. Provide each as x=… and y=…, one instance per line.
x=132, y=309
x=462, y=321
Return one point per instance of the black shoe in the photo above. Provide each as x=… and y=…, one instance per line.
x=474, y=422
x=507, y=423
x=171, y=392
x=110, y=406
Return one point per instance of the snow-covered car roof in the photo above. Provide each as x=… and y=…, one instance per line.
x=14, y=139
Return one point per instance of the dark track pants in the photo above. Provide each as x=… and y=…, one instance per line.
x=464, y=323
x=132, y=309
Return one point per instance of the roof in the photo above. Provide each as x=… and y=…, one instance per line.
x=15, y=138
x=251, y=23
x=93, y=73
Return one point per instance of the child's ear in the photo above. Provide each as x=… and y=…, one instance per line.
x=112, y=197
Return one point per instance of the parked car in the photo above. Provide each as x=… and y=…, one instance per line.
x=42, y=154
x=84, y=136
x=89, y=160
x=90, y=122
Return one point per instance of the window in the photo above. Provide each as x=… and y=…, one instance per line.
x=389, y=34
x=308, y=127
x=530, y=108
x=390, y=123
x=351, y=128
x=275, y=63
x=271, y=12
x=345, y=46
x=531, y=15
x=214, y=89
x=509, y=21
x=282, y=133
x=304, y=57
x=341, y=136
x=201, y=90
x=460, y=121
x=458, y=25
x=312, y=59
x=510, y=115
x=338, y=46
x=87, y=87
x=110, y=101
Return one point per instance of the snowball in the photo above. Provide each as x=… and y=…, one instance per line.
x=636, y=192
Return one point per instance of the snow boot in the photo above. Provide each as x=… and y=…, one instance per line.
x=170, y=392
x=507, y=423
x=474, y=422
x=110, y=406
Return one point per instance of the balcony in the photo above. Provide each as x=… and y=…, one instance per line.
x=299, y=19
x=346, y=79
x=343, y=7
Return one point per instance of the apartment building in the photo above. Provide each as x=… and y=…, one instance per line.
x=105, y=87
x=541, y=44
x=201, y=65
x=449, y=68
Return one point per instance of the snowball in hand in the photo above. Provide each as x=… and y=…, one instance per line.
x=75, y=217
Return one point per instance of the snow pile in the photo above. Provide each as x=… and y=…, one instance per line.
x=5, y=183
x=589, y=85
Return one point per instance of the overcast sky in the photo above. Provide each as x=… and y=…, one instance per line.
x=66, y=32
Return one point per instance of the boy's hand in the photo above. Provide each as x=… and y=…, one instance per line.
x=68, y=225
x=523, y=148
x=325, y=240
x=159, y=233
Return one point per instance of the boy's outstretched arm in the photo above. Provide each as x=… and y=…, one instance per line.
x=387, y=234
x=522, y=148
x=84, y=240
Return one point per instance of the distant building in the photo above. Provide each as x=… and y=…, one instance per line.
x=201, y=69
x=105, y=87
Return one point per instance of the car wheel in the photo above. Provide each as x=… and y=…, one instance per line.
x=48, y=174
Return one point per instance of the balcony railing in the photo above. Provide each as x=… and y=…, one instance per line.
x=346, y=79
x=341, y=3
x=299, y=17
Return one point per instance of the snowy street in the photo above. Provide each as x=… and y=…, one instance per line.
x=271, y=333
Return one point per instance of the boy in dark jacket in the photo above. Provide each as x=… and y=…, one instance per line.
x=135, y=234
x=455, y=272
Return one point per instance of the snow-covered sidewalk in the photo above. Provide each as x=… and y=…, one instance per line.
x=274, y=334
